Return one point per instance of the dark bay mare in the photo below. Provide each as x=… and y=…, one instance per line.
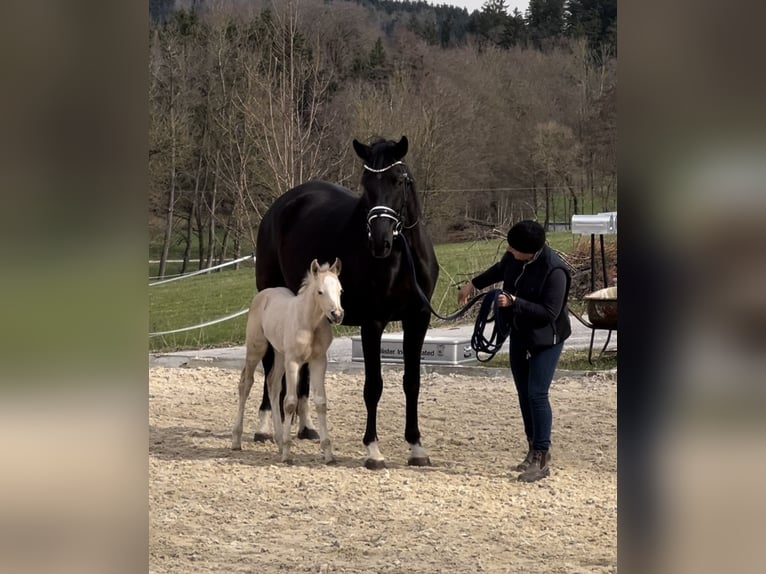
x=322, y=220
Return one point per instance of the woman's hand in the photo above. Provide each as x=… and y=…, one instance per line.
x=465, y=292
x=505, y=299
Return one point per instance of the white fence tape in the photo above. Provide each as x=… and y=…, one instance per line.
x=213, y=322
x=201, y=271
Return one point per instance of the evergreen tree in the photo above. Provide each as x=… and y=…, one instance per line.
x=545, y=20
x=490, y=23
x=515, y=32
x=594, y=19
x=377, y=57
x=160, y=10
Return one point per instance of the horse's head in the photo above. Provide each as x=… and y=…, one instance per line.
x=386, y=182
x=327, y=284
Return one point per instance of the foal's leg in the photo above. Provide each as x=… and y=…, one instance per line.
x=291, y=402
x=274, y=383
x=305, y=426
x=318, y=368
x=263, y=434
x=414, y=326
x=253, y=356
x=373, y=388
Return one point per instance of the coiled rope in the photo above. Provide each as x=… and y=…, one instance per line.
x=489, y=312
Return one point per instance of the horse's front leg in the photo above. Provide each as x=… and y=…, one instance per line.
x=292, y=368
x=373, y=388
x=415, y=326
x=318, y=368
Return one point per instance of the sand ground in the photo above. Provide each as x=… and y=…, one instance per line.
x=217, y=510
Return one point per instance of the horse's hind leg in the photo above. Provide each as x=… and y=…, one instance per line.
x=318, y=367
x=305, y=426
x=263, y=434
x=245, y=384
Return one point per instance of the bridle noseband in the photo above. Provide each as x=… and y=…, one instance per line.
x=383, y=211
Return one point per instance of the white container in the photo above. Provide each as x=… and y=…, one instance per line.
x=436, y=350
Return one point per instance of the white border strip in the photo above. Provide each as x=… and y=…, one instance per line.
x=213, y=322
x=201, y=271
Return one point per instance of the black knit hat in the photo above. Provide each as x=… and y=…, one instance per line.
x=526, y=236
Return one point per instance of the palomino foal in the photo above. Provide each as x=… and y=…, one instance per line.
x=298, y=328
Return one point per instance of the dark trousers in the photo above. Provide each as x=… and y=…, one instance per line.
x=533, y=375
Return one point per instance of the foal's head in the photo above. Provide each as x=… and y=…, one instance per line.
x=387, y=183
x=324, y=284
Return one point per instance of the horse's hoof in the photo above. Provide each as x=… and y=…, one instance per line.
x=419, y=461
x=374, y=464
x=308, y=434
x=238, y=447
x=331, y=462
x=262, y=437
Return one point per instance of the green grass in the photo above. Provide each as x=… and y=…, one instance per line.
x=199, y=299
x=571, y=360
x=207, y=297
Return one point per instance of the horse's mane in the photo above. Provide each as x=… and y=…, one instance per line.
x=307, y=278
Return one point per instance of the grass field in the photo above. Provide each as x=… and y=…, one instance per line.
x=571, y=360
x=202, y=298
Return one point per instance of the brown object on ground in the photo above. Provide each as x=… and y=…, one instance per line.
x=217, y=510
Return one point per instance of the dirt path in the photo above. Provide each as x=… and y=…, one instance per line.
x=214, y=510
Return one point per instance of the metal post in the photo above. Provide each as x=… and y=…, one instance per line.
x=592, y=262
x=603, y=260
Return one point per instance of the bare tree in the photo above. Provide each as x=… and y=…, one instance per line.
x=287, y=87
x=555, y=156
x=170, y=125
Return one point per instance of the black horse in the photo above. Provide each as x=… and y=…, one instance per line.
x=322, y=220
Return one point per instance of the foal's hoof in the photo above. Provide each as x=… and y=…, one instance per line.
x=262, y=437
x=308, y=434
x=374, y=464
x=419, y=461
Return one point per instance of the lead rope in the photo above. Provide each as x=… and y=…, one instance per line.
x=489, y=312
x=500, y=331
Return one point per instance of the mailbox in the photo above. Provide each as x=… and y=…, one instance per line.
x=600, y=224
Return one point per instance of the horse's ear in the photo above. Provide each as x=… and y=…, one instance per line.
x=400, y=149
x=336, y=267
x=314, y=267
x=362, y=150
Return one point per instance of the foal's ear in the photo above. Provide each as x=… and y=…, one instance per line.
x=336, y=267
x=314, y=267
x=363, y=151
x=401, y=147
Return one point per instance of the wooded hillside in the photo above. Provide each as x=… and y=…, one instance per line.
x=508, y=116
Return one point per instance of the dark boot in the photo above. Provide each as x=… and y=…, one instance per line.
x=524, y=464
x=538, y=468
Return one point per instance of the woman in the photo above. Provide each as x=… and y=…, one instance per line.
x=536, y=284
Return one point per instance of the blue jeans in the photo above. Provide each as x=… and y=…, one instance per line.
x=533, y=375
